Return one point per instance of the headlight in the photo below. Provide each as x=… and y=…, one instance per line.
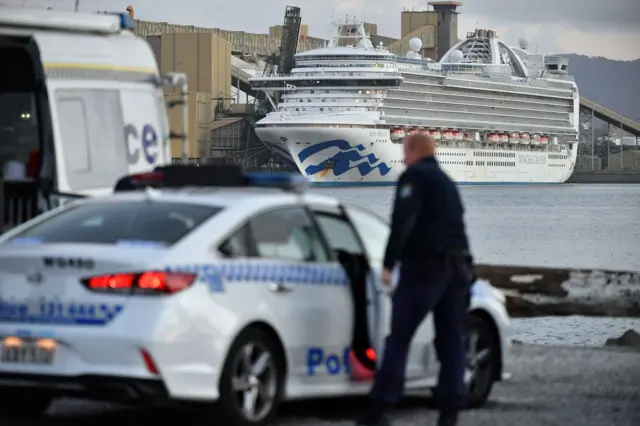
x=483, y=288
x=498, y=294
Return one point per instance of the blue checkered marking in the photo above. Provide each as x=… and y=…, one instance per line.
x=255, y=272
x=54, y=311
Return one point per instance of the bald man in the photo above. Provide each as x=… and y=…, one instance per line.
x=429, y=244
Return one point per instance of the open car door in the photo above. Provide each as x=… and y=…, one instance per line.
x=374, y=233
x=372, y=309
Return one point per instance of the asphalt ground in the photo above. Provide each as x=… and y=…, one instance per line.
x=549, y=386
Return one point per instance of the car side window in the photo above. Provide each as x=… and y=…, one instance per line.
x=373, y=230
x=287, y=234
x=238, y=244
x=339, y=233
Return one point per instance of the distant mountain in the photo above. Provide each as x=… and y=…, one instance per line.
x=613, y=84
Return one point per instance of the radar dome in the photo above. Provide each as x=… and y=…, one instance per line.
x=365, y=43
x=456, y=56
x=415, y=44
x=523, y=43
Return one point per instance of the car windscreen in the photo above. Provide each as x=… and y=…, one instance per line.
x=143, y=221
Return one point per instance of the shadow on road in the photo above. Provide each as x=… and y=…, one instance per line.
x=318, y=410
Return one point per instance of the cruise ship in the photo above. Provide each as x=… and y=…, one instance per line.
x=500, y=114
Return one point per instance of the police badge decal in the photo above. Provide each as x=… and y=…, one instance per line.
x=406, y=191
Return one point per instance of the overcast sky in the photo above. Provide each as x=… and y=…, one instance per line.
x=591, y=27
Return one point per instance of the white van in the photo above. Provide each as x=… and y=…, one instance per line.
x=81, y=104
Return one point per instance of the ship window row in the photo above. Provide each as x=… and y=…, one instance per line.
x=356, y=58
x=344, y=74
x=556, y=165
x=565, y=93
x=344, y=100
x=328, y=83
x=328, y=109
x=501, y=163
x=494, y=154
x=493, y=91
x=460, y=163
x=343, y=91
x=558, y=157
x=369, y=65
x=457, y=154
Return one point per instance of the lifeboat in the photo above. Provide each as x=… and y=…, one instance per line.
x=435, y=134
x=412, y=131
x=544, y=140
x=493, y=138
x=457, y=135
x=423, y=131
x=467, y=136
x=535, y=139
x=514, y=138
x=525, y=139
x=397, y=133
x=504, y=138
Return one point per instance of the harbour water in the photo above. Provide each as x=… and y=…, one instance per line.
x=579, y=225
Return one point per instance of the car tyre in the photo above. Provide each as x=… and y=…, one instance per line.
x=483, y=352
x=252, y=381
x=32, y=405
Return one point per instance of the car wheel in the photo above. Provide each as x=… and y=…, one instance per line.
x=252, y=380
x=482, y=350
x=22, y=404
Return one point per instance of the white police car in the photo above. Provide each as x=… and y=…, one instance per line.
x=239, y=294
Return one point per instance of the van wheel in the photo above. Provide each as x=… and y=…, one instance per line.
x=22, y=404
x=483, y=352
x=252, y=380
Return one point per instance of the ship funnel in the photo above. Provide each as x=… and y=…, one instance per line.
x=132, y=13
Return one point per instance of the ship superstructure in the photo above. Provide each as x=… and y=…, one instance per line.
x=500, y=114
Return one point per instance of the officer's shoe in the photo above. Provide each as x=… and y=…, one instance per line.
x=448, y=418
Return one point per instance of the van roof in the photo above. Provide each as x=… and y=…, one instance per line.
x=65, y=21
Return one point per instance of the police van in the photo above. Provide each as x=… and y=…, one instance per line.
x=81, y=104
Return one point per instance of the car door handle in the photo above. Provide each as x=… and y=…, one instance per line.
x=280, y=288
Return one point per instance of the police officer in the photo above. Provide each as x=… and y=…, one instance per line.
x=429, y=242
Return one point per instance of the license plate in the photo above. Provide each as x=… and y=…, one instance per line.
x=27, y=353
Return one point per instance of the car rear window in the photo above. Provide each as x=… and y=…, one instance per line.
x=121, y=222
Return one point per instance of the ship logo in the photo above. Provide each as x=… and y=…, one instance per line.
x=348, y=158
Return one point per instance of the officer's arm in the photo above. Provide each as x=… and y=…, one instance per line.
x=406, y=208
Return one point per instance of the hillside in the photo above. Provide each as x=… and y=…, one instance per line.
x=614, y=84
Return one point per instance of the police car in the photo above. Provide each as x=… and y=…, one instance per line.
x=211, y=288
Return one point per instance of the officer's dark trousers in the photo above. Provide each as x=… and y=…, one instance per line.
x=444, y=290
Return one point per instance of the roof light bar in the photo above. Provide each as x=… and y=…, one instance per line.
x=56, y=20
x=176, y=176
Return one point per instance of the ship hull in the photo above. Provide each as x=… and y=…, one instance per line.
x=340, y=156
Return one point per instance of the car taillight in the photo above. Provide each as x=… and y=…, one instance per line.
x=151, y=282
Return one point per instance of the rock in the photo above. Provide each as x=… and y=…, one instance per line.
x=629, y=339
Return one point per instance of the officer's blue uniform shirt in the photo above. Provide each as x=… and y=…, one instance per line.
x=427, y=216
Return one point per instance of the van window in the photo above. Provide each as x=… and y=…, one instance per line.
x=19, y=138
x=122, y=221
x=19, y=127
x=91, y=137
